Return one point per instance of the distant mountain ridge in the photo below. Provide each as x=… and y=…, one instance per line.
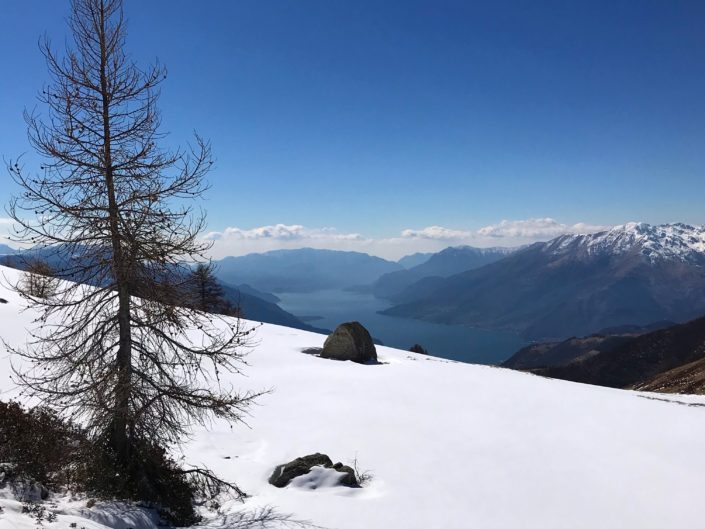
x=5, y=250
x=303, y=270
x=665, y=242
x=574, y=285
x=255, y=304
x=452, y=260
x=414, y=259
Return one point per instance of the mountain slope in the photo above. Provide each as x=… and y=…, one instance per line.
x=448, y=262
x=688, y=378
x=644, y=361
x=553, y=354
x=450, y=445
x=254, y=304
x=577, y=284
x=253, y=307
x=303, y=270
x=415, y=259
x=560, y=353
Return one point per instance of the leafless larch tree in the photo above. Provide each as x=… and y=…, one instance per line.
x=122, y=354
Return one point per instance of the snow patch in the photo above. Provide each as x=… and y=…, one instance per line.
x=318, y=477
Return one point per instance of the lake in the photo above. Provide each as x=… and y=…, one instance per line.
x=455, y=342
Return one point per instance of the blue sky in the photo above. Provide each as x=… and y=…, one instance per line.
x=347, y=123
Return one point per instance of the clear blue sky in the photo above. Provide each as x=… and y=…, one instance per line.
x=377, y=116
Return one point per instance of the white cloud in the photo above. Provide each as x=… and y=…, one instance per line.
x=281, y=232
x=437, y=233
x=241, y=241
x=277, y=231
x=537, y=229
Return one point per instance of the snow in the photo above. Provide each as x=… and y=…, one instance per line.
x=70, y=510
x=318, y=477
x=450, y=445
x=665, y=241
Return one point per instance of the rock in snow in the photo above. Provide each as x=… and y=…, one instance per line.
x=350, y=341
x=303, y=466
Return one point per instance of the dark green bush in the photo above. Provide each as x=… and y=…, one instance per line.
x=152, y=478
x=38, y=446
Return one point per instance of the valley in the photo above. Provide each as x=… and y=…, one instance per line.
x=455, y=342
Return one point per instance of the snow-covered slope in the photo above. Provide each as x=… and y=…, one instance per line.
x=450, y=445
x=665, y=242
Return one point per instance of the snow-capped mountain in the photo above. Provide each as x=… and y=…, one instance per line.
x=574, y=285
x=662, y=242
x=450, y=445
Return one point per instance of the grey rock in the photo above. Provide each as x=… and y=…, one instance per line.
x=350, y=341
x=283, y=474
x=349, y=480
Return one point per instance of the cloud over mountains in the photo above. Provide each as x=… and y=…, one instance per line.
x=537, y=229
x=240, y=241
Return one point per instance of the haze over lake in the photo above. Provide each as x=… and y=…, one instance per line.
x=455, y=342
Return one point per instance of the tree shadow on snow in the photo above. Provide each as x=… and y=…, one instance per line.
x=263, y=518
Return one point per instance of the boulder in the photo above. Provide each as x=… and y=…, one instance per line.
x=283, y=474
x=350, y=341
x=349, y=480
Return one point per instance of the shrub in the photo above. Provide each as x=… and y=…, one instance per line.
x=38, y=445
x=152, y=479
x=39, y=280
x=416, y=348
x=40, y=449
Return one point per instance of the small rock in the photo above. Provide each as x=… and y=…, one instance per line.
x=283, y=474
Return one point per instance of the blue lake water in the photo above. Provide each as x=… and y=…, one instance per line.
x=456, y=342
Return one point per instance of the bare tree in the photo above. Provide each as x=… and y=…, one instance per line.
x=39, y=281
x=207, y=294
x=121, y=353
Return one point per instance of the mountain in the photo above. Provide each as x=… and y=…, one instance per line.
x=667, y=360
x=304, y=270
x=256, y=308
x=415, y=259
x=6, y=250
x=255, y=305
x=575, y=285
x=552, y=354
x=449, y=445
x=266, y=296
x=450, y=261
x=688, y=378
x=542, y=355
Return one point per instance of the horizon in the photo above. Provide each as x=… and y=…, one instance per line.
x=396, y=257
x=393, y=130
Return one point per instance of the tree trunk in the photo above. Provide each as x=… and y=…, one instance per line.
x=123, y=361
